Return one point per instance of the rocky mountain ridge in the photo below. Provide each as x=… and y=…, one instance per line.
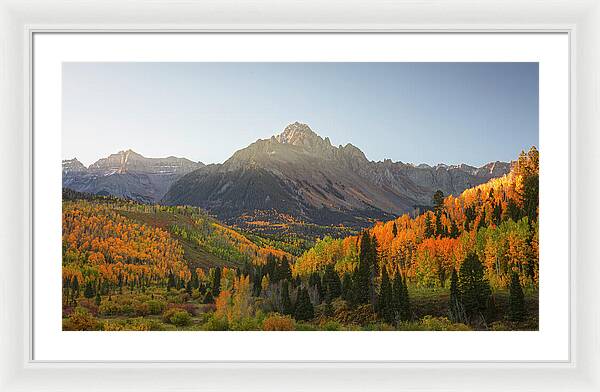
x=301, y=174
x=127, y=174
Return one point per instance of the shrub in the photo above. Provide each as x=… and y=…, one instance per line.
x=127, y=309
x=141, y=308
x=174, y=297
x=207, y=308
x=277, y=322
x=67, y=310
x=362, y=315
x=246, y=324
x=136, y=324
x=166, y=317
x=156, y=307
x=89, y=305
x=339, y=305
x=216, y=323
x=80, y=320
x=181, y=318
x=110, y=308
x=176, y=316
x=183, y=297
x=197, y=295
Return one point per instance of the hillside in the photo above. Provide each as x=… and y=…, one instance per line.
x=201, y=241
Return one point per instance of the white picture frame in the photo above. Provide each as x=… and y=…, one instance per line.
x=18, y=20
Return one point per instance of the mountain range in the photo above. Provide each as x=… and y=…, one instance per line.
x=296, y=175
x=127, y=174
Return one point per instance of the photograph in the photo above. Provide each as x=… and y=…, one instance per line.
x=300, y=196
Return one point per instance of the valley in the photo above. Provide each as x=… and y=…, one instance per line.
x=295, y=234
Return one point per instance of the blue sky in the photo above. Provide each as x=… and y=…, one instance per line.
x=431, y=113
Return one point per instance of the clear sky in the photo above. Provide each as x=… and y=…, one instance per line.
x=431, y=113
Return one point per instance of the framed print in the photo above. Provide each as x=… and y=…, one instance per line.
x=369, y=204
x=290, y=231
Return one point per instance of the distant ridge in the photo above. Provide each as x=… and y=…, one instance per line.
x=127, y=174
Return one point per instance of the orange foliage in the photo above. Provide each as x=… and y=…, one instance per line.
x=100, y=243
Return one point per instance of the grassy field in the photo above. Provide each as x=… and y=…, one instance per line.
x=170, y=310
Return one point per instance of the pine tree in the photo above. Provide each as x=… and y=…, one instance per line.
x=331, y=283
x=286, y=302
x=373, y=269
x=405, y=310
x=171, y=281
x=384, y=304
x=513, y=211
x=195, y=280
x=256, y=285
x=530, y=197
x=347, y=287
x=469, y=217
x=270, y=268
x=297, y=281
x=208, y=298
x=497, y=214
x=304, y=308
x=474, y=289
x=98, y=300
x=454, y=233
x=88, y=292
x=439, y=229
x=516, y=300
x=216, y=284
x=482, y=222
x=362, y=280
x=120, y=280
x=428, y=226
x=315, y=281
x=397, y=295
x=286, y=271
x=438, y=200
x=74, y=289
x=394, y=230
x=456, y=312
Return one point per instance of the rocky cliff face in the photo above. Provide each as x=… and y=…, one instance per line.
x=303, y=175
x=127, y=174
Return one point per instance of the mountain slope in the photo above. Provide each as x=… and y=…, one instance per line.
x=300, y=174
x=127, y=174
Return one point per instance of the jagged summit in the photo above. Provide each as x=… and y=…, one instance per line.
x=301, y=135
x=297, y=134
